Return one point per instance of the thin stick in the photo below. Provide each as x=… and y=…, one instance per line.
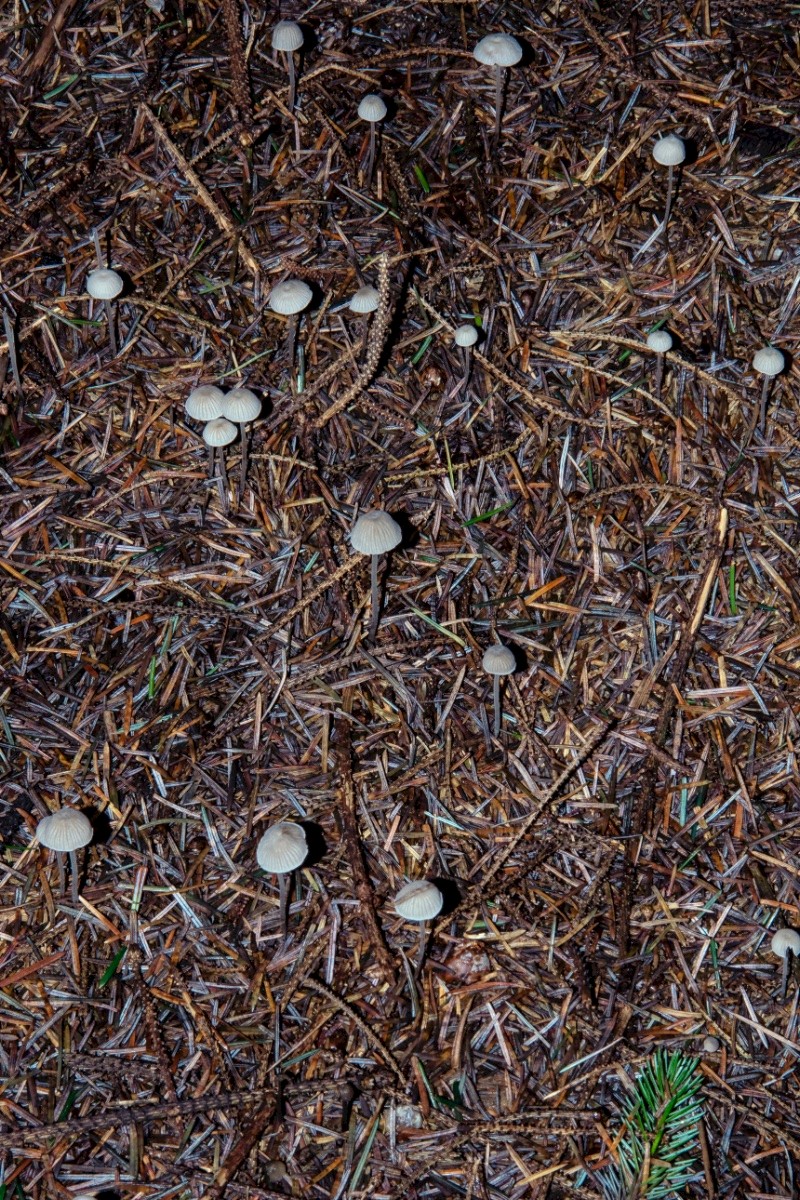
x=12, y=350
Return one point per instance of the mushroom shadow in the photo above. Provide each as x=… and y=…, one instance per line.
x=317, y=845
x=450, y=894
x=101, y=825
x=410, y=532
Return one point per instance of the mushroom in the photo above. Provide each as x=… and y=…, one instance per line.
x=105, y=285
x=280, y=851
x=365, y=300
x=373, y=110
x=287, y=36
x=204, y=403
x=769, y=362
x=660, y=342
x=289, y=299
x=711, y=1044
x=786, y=945
x=242, y=406
x=465, y=337
x=66, y=831
x=500, y=51
x=375, y=533
x=219, y=433
x=420, y=900
x=498, y=660
x=669, y=152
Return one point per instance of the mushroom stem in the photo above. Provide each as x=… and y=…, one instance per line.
x=112, y=337
x=211, y=451
x=370, y=156
x=291, y=343
x=62, y=878
x=292, y=80
x=765, y=387
x=498, y=714
x=73, y=871
x=423, y=941
x=499, y=82
x=668, y=205
x=223, y=481
x=467, y=367
x=659, y=376
x=284, y=891
x=243, y=476
x=786, y=971
x=374, y=614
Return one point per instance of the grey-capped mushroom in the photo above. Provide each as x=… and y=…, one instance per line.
x=669, y=152
x=280, y=851
x=373, y=110
x=216, y=435
x=465, y=337
x=660, y=342
x=241, y=406
x=785, y=942
x=204, y=403
x=290, y=299
x=375, y=533
x=420, y=900
x=498, y=661
x=767, y=362
x=365, y=300
x=498, y=51
x=66, y=831
x=105, y=285
x=711, y=1044
x=287, y=37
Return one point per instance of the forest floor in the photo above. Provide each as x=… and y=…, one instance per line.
x=190, y=664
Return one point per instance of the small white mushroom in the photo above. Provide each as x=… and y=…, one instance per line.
x=375, y=533
x=290, y=298
x=283, y=848
x=768, y=362
x=465, y=335
x=373, y=110
x=661, y=342
x=419, y=901
x=204, y=403
x=242, y=406
x=499, y=51
x=104, y=284
x=498, y=660
x=66, y=831
x=287, y=36
x=216, y=434
x=669, y=152
x=365, y=300
x=711, y=1044
x=786, y=942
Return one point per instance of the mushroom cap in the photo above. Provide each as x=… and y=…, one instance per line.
x=669, y=151
x=372, y=108
x=419, y=901
x=241, y=405
x=67, y=829
x=768, y=361
x=711, y=1044
x=219, y=432
x=290, y=297
x=283, y=848
x=104, y=284
x=784, y=941
x=465, y=335
x=660, y=341
x=287, y=36
x=204, y=403
x=499, y=660
x=366, y=300
x=375, y=532
x=498, y=50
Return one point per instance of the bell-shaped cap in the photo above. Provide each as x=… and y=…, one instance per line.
x=241, y=405
x=283, y=848
x=287, y=36
x=372, y=108
x=219, y=432
x=669, y=151
x=768, y=361
x=67, y=829
x=498, y=50
x=660, y=341
x=419, y=901
x=104, y=284
x=786, y=941
x=711, y=1044
x=465, y=335
x=290, y=297
x=375, y=532
x=499, y=660
x=366, y=300
x=204, y=403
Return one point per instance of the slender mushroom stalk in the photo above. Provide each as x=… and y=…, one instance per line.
x=373, y=110
x=216, y=434
x=465, y=337
x=66, y=831
x=786, y=945
x=499, y=51
x=289, y=299
x=242, y=406
x=498, y=660
x=669, y=152
x=660, y=342
x=769, y=362
x=105, y=285
x=375, y=533
x=281, y=851
x=287, y=36
x=419, y=901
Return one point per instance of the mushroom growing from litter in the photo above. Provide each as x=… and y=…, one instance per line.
x=105, y=285
x=365, y=300
x=280, y=851
x=66, y=831
x=711, y=1044
x=290, y=298
x=420, y=900
x=216, y=434
x=465, y=337
x=769, y=362
x=498, y=660
x=375, y=533
x=669, y=152
x=242, y=406
x=660, y=342
x=287, y=36
x=499, y=51
x=786, y=945
x=373, y=110
x=204, y=403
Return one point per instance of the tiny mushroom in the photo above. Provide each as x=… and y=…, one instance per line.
x=669, y=152
x=711, y=1044
x=204, y=403
x=375, y=533
x=242, y=406
x=365, y=300
x=660, y=342
x=105, y=285
x=500, y=51
x=216, y=434
x=373, y=110
x=290, y=298
x=769, y=362
x=498, y=660
x=419, y=901
x=283, y=848
x=465, y=337
x=287, y=36
x=66, y=831
x=786, y=942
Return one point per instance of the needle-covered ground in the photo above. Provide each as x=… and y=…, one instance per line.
x=188, y=662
